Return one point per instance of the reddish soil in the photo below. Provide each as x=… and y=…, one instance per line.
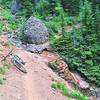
x=36, y=84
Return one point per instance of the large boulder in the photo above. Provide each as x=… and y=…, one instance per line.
x=35, y=31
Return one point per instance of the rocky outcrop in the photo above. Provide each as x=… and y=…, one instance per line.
x=35, y=31
x=36, y=36
x=14, y=39
x=95, y=91
x=83, y=84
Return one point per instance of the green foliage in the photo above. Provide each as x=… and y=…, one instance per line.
x=97, y=21
x=80, y=48
x=54, y=86
x=1, y=26
x=74, y=94
x=62, y=16
x=86, y=17
x=53, y=26
x=1, y=81
x=95, y=3
x=71, y=6
x=22, y=28
x=81, y=57
x=4, y=68
x=57, y=24
x=12, y=22
x=53, y=65
x=49, y=8
x=6, y=13
x=42, y=8
x=27, y=7
x=21, y=35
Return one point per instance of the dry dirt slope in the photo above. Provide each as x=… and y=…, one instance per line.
x=35, y=85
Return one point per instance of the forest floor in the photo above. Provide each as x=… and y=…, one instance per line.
x=36, y=84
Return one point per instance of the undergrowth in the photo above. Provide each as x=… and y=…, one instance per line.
x=7, y=15
x=4, y=67
x=80, y=47
x=74, y=94
x=1, y=26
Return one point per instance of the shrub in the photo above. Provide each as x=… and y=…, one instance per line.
x=42, y=8
x=13, y=24
x=1, y=82
x=75, y=94
x=22, y=28
x=71, y=6
x=4, y=67
x=80, y=48
x=27, y=7
x=6, y=13
x=1, y=26
x=5, y=3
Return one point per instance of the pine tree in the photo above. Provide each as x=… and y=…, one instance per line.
x=97, y=21
x=27, y=6
x=71, y=6
x=86, y=17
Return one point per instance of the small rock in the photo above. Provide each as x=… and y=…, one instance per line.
x=93, y=93
x=84, y=85
x=92, y=88
x=19, y=97
x=37, y=48
x=97, y=90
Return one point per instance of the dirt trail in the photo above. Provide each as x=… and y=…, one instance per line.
x=35, y=85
